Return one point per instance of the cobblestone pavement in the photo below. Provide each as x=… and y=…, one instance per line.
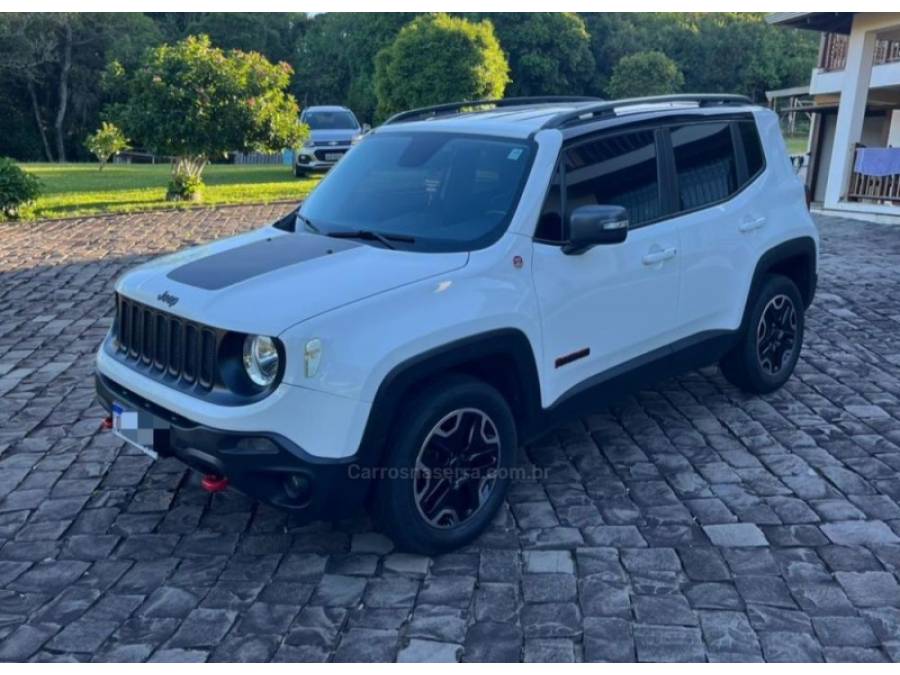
x=690, y=522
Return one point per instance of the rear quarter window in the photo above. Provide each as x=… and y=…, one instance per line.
x=752, y=148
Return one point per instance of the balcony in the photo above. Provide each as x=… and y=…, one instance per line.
x=833, y=55
x=865, y=187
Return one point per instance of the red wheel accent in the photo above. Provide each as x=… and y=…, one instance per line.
x=106, y=423
x=214, y=483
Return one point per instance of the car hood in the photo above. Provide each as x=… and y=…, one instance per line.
x=268, y=280
x=325, y=135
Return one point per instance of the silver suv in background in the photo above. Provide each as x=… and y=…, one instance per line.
x=332, y=130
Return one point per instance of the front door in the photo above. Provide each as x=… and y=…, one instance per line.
x=614, y=303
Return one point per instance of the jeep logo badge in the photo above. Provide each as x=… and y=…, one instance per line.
x=167, y=298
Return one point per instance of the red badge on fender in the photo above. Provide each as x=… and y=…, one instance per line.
x=518, y=263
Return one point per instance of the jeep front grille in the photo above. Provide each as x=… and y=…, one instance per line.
x=164, y=345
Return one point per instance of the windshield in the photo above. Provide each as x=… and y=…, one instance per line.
x=449, y=192
x=330, y=119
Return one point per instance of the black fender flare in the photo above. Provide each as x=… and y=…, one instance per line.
x=505, y=345
x=804, y=247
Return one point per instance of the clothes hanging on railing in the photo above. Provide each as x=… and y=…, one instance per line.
x=877, y=161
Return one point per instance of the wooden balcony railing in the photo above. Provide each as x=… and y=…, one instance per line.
x=877, y=188
x=834, y=52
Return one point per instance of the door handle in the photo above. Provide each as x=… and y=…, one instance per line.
x=750, y=225
x=656, y=257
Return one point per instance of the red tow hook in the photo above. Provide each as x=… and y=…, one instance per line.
x=106, y=423
x=213, y=483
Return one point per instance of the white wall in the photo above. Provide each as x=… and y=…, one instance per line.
x=894, y=131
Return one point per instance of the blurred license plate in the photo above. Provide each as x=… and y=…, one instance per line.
x=141, y=429
x=333, y=156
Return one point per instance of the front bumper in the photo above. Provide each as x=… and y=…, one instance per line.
x=263, y=465
x=310, y=159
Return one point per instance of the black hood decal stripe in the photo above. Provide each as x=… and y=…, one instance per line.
x=235, y=265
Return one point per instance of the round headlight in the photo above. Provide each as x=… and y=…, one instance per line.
x=260, y=359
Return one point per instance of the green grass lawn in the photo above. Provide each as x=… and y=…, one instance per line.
x=81, y=189
x=796, y=145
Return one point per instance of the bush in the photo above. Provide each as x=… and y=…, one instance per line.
x=645, y=74
x=184, y=187
x=107, y=141
x=17, y=187
x=437, y=58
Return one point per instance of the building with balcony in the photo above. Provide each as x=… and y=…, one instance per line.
x=854, y=103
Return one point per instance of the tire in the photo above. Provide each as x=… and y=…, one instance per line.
x=428, y=514
x=298, y=172
x=758, y=364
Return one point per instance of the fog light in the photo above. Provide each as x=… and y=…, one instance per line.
x=297, y=487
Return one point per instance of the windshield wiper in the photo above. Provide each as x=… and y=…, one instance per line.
x=384, y=239
x=307, y=223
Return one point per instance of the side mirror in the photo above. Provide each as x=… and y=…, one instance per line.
x=595, y=225
x=366, y=128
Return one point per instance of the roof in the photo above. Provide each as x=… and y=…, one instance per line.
x=824, y=22
x=326, y=108
x=802, y=90
x=516, y=118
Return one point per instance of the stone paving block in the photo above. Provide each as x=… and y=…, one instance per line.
x=443, y=624
x=426, y=651
x=549, y=651
x=735, y=534
x=365, y=645
x=549, y=562
x=781, y=647
x=203, y=628
x=860, y=533
x=608, y=639
x=870, y=589
x=844, y=631
x=488, y=642
x=668, y=644
x=671, y=610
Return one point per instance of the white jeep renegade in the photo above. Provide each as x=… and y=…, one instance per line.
x=463, y=277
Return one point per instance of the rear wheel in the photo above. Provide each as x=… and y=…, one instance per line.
x=769, y=348
x=447, y=466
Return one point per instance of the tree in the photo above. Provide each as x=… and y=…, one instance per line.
x=272, y=34
x=335, y=58
x=437, y=58
x=549, y=52
x=194, y=101
x=52, y=62
x=107, y=141
x=724, y=52
x=644, y=74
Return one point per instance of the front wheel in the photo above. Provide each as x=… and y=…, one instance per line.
x=298, y=172
x=769, y=347
x=447, y=466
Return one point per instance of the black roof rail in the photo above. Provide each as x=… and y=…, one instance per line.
x=608, y=108
x=459, y=106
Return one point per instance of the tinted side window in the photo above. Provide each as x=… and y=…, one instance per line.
x=617, y=170
x=752, y=148
x=705, y=164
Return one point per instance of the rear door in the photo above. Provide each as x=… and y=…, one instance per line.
x=721, y=211
x=612, y=303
